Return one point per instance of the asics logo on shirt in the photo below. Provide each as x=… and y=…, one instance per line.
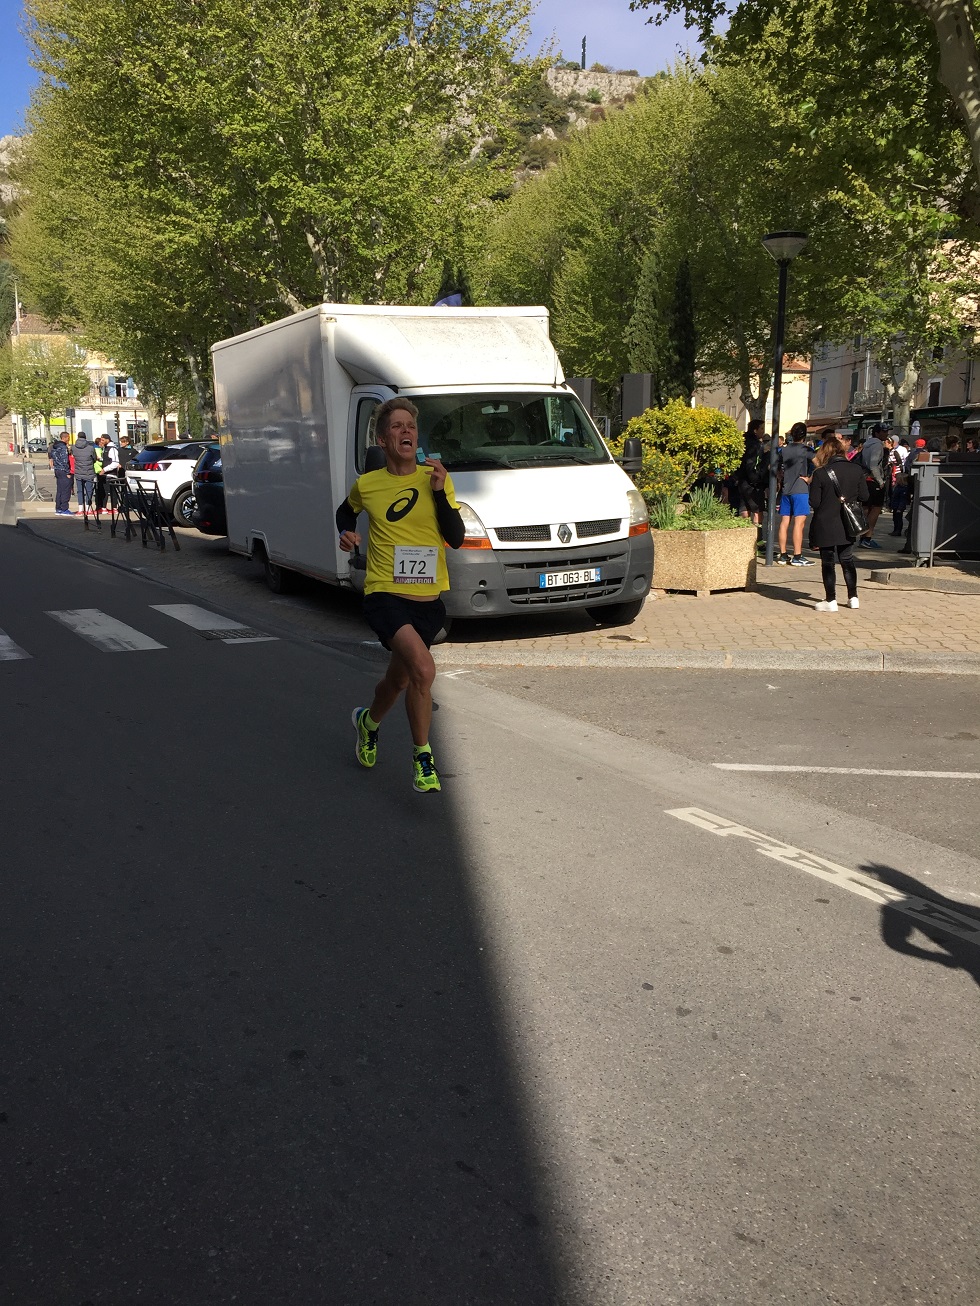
x=403, y=506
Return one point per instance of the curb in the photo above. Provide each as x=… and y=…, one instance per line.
x=964, y=664
x=940, y=580
x=449, y=656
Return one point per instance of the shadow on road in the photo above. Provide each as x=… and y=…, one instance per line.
x=254, y=1047
x=898, y=926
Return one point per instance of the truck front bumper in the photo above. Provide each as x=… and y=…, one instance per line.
x=505, y=582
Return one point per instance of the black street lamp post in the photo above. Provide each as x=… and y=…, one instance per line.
x=783, y=246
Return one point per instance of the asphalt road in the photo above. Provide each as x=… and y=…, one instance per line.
x=278, y=1030
x=853, y=720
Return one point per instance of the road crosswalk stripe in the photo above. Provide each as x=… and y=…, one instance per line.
x=105, y=632
x=9, y=651
x=201, y=619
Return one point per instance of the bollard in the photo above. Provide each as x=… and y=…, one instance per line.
x=8, y=517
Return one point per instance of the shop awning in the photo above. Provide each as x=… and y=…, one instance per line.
x=951, y=414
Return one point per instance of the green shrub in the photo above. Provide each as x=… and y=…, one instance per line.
x=660, y=477
x=594, y=96
x=680, y=445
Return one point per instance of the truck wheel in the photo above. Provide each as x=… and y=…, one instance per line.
x=183, y=508
x=279, y=579
x=617, y=614
x=443, y=633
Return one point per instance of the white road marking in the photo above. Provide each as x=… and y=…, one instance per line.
x=921, y=910
x=201, y=619
x=105, y=632
x=847, y=770
x=9, y=651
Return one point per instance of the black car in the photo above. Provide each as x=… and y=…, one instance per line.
x=151, y=455
x=209, y=493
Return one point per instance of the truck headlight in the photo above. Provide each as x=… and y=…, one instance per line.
x=639, y=517
x=476, y=536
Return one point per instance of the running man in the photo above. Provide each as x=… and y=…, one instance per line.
x=412, y=511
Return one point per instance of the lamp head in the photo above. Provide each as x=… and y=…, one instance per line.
x=785, y=245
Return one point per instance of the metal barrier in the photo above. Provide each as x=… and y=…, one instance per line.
x=139, y=512
x=32, y=491
x=946, y=509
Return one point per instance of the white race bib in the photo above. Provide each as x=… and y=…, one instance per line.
x=415, y=565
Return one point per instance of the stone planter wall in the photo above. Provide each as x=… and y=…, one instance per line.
x=703, y=561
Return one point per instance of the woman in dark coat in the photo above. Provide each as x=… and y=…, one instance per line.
x=827, y=530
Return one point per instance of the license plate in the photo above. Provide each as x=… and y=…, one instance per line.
x=553, y=580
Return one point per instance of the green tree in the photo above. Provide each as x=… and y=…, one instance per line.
x=916, y=301
x=40, y=377
x=195, y=171
x=575, y=239
x=894, y=69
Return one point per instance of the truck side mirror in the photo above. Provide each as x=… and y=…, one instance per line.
x=632, y=459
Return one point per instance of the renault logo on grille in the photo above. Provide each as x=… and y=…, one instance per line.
x=564, y=533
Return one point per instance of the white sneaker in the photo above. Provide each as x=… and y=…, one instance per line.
x=853, y=603
x=827, y=605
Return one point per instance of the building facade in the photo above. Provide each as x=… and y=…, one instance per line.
x=846, y=391
x=793, y=404
x=111, y=407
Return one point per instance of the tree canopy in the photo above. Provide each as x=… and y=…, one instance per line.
x=41, y=376
x=898, y=72
x=645, y=239
x=196, y=170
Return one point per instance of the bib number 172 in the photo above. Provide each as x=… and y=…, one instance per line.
x=415, y=565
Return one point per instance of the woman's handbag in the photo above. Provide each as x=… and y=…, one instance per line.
x=852, y=514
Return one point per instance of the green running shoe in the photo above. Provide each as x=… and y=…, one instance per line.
x=366, y=748
x=426, y=775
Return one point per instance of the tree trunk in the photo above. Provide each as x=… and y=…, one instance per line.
x=156, y=417
x=959, y=66
x=202, y=392
x=899, y=396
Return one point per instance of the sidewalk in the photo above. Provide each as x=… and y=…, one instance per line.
x=773, y=626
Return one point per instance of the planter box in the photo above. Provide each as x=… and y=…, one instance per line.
x=703, y=561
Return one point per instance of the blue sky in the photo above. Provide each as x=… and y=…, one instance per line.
x=615, y=37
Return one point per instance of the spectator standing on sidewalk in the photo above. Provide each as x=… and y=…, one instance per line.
x=752, y=475
x=828, y=532
x=60, y=459
x=874, y=462
x=898, y=490
x=102, y=446
x=84, y=454
x=795, y=462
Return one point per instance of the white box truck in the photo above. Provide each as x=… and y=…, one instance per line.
x=552, y=521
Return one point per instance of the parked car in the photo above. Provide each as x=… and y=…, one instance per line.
x=169, y=467
x=209, y=493
x=37, y=444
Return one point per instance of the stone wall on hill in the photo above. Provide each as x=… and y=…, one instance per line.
x=611, y=86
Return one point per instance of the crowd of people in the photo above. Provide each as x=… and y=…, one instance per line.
x=840, y=482
x=86, y=468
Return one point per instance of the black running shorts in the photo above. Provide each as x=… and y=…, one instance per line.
x=876, y=495
x=387, y=613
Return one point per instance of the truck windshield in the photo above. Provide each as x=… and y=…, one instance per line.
x=511, y=430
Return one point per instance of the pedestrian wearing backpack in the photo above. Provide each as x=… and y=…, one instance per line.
x=753, y=473
x=874, y=461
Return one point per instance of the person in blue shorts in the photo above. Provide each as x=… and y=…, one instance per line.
x=796, y=468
